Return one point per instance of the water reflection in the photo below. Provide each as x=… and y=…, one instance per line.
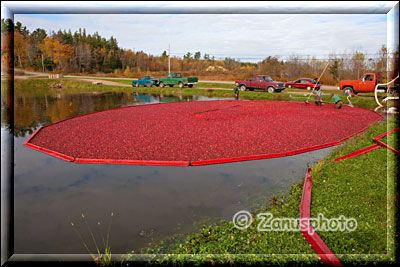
x=152, y=98
x=32, y=111
x=149, y=202
x=50, y=193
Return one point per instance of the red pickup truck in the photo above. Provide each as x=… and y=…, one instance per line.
x=365, y=84
x=262, y=82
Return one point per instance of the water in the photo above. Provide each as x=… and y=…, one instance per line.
x=149, y=203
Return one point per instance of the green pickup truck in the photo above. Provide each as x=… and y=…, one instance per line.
x=176, y=78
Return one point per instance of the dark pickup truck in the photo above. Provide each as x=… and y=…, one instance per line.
x=262, y=82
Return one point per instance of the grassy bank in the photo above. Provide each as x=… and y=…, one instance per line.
x=198, y=85
x=362, y=188
x=48, y=86
x=204, y=85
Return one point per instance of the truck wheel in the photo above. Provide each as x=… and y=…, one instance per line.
x=190, y=85
x=308, y=88
x=348, y=91
x=148, y=84
x=162, y=85
x=243, y=88
x=180, y=85
x=270, y=89
x=289, y=86
x=136, y=85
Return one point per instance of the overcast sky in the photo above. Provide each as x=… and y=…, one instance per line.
x=248, y=37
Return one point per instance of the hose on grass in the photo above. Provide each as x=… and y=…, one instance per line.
x=376, y=90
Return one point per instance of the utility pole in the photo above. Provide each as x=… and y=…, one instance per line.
x=169, y=58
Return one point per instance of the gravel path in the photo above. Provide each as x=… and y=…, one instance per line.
x=104, y=82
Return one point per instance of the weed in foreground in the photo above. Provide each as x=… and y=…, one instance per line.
x=100, y=257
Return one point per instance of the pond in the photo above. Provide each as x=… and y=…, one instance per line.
x=148, y=203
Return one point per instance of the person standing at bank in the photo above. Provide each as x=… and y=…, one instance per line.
x=236, y=92
x=318, y=97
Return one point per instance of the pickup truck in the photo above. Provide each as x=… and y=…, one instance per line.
x=147, y=81
x=177, y=79
x=366, y=84
x=262, y=82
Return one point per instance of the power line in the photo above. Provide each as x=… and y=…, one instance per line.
x=295, y=55
x=343, y=56
x=300, y=59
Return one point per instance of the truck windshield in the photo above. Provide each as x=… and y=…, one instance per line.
x=176, y=75
x=267, y=79
x=368, y=78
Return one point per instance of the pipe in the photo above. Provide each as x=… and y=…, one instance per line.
x=376, y=90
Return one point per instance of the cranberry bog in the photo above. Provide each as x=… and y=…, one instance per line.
x=200, y=133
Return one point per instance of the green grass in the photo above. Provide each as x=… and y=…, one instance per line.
x=115, y=80
x=38, y=87
x=361, y=188
x=46, y=86
x=326, y=91
x=214, y=85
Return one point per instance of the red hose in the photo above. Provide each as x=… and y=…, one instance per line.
x=317, y=244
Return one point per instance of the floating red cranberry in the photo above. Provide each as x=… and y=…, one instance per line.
x=200, y=132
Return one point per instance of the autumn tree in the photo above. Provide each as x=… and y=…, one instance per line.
x=333, y=69
x=59, y=53
x=188, y=56
x=19, y=48
x=380, y=65
x=197, y=56
x=357, y=64
x=83, y=56
x=270, y=66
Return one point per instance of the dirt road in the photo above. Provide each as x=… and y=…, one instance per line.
x=104, y=82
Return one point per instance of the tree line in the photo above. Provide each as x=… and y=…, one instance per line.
x=80, y=52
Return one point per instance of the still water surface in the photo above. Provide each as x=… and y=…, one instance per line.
x=149, y=202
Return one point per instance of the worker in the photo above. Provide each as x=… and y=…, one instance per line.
x=337, y=101
x=318, y=97
x=236, y=92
